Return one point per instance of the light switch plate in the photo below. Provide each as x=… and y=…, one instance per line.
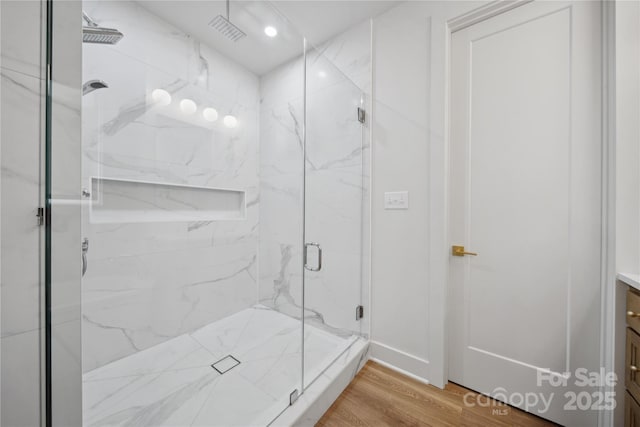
x=396, y=200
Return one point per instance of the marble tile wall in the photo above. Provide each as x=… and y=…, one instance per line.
x=22, y=89
x=337, y=194
x=350, y=52
x=20, y=131
x=146, y=282
x=149, y=282
x=20, y=290
x=281, y=185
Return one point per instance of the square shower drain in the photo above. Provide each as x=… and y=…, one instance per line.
x=225, y=364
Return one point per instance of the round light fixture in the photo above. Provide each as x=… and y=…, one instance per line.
x=188, y=106
x=270, y=31
x=161, y=97
x=230, y=121
x=322, y=74
x=210, y=114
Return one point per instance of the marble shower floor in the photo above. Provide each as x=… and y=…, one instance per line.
x=173, y=383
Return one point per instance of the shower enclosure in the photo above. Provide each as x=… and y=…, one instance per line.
x=207, y=214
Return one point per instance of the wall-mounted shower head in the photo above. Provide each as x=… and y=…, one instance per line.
x=226, y=28
x=92, y=85
x=93, y=33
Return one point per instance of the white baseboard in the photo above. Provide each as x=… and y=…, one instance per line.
x=400, y=361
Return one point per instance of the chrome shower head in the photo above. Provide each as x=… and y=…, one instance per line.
x=92, y=85
x=93, y=33
x=101, y=35
x=226, y=28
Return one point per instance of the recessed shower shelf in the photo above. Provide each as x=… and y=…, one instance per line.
x=115, y=201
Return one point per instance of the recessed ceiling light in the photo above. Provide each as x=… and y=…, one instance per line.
x=322, y=74
x=270, y=31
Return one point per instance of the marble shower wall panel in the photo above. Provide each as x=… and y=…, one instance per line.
x=337, y=181
x=20, y=130
x=20, y=196
x=281, y=181
x=20, y=117
x=21, y=37
x=334, y=194
x=149, y=282
x=351, y=53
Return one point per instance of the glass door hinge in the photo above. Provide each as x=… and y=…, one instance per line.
x=40, y=216
x=359, y=312
x=293, y=396
x=361, y=115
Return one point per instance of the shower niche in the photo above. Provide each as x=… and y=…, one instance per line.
x=116, y=201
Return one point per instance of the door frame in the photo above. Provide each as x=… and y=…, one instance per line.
x=607, y=261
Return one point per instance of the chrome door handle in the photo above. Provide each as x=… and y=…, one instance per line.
x=85, y=249
x=306, y=248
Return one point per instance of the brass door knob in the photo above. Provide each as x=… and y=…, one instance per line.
x=633, y=368
x=459, y=251
x=633, y=314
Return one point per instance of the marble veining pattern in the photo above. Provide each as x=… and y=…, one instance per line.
x=19, y=190
x=173, y=384
x=326, y=388
x=152, y=322
x=20, y=117
x=150, y=282
x=337, y=189
x=174, y=286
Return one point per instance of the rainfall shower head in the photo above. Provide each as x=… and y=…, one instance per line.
x=92, y=85
x=226, y=28
x=93, y=33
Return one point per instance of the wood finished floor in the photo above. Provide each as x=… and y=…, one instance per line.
x=379, y=396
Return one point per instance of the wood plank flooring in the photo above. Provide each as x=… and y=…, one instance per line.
x=379, y=396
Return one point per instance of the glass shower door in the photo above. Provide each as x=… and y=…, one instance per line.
x=334, y=211
x=158, y=311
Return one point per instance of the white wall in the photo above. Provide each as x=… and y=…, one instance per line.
x=627, y=174
x=628, y=136
x=409, y=248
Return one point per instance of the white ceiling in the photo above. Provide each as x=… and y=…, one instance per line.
x=318, y=20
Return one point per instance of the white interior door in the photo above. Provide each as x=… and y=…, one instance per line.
x=526, y=196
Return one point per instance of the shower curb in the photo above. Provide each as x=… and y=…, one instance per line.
x=321, y=394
